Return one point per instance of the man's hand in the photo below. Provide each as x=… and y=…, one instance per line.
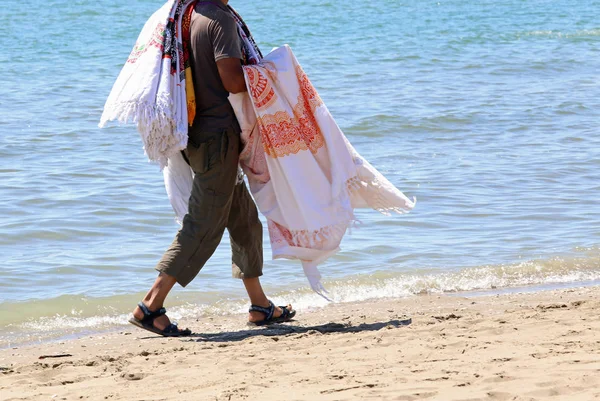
x=232, y=75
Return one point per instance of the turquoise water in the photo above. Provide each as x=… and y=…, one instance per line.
x=487, y=112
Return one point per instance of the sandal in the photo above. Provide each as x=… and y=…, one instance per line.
x=147, y=323
x=286, y=314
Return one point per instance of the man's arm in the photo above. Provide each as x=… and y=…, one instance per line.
x=232, y=74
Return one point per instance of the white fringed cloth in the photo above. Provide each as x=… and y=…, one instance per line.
x=305, y=176
x=150, y=89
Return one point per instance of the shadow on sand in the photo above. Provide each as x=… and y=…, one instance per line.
x=283, y=329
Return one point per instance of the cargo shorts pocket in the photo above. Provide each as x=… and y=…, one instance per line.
x=208, y=154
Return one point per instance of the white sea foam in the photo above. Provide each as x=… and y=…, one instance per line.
x=546, y=272
x=558, y=34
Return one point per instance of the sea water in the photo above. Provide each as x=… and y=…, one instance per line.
x=487, y=112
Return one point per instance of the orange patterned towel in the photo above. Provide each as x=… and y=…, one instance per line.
x=304, y=174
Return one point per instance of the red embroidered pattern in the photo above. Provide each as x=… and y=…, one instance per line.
x=305, y=238
x=260, y=87
x=308, y=91
x=284, y=134
x=156, y=40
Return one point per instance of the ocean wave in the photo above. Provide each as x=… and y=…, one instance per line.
x=584, y=33
x=87, y=314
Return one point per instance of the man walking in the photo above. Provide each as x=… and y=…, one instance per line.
x=218, y=200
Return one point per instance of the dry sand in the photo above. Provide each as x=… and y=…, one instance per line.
x=532, y=346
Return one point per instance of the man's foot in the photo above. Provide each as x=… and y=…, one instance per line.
x=258, y=316
x=160, y=322
x=156, y=321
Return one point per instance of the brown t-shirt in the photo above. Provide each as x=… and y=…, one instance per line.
x=213, y=36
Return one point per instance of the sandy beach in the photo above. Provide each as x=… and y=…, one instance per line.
x=516, y=346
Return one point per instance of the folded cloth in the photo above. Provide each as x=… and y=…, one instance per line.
x=150, y=89
x=305, y=176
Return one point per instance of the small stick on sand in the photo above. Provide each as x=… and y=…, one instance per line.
x=55, y=356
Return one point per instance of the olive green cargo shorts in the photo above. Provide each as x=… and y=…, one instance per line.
x=217, y=202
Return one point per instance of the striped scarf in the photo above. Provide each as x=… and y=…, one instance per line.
x=250, y=52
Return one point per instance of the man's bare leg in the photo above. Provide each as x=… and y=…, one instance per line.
x=257, y=297
x=155, y=299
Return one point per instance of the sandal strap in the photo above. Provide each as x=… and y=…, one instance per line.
x=285, y=312
x=148, y=314
x=268, y=312
x=172, y=328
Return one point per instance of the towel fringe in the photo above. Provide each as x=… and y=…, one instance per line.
x=150, y=88
x=156, y=126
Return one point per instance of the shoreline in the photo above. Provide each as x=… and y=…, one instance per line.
x=528, y=345
x=74, y=333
